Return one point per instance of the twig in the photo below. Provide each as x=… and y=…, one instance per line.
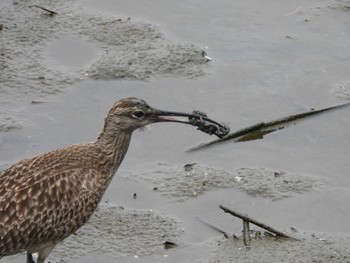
x=263, y=128
x=226, y=235
x=51, y=13
x=255, y=222
x=246, y=233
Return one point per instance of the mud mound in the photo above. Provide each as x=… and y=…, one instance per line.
x=42, y=54
x=116, y=232
x=192, y=180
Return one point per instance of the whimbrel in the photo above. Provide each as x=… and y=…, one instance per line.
x=46, y=198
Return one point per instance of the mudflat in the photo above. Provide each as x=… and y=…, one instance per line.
x=241, y=62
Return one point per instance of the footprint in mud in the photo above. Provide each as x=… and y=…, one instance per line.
x=182, y=183
x=118, y=232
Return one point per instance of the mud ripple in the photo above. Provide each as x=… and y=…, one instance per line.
x=182, y=183
x=117, y=232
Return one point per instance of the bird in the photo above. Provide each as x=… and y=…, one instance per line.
x=46, y=198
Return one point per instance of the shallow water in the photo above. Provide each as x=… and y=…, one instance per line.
x=268, y=60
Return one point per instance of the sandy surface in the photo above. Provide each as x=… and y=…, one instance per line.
x=59, y=75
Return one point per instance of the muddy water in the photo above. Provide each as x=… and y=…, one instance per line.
x=59, y=75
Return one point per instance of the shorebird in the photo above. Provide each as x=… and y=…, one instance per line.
x=46, y=198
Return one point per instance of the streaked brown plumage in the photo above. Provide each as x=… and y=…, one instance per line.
x=46, y=198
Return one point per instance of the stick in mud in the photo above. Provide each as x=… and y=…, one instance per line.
x=246, y=233
x=255, y=222
x=51, y=13
x=263, y=128
x=226, y=235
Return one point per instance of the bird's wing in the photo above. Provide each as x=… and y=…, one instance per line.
x=47, y=204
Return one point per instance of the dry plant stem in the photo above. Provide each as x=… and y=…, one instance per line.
x=255, y=222
x=246, y=233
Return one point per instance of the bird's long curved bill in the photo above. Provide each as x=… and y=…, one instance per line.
x=198, y=119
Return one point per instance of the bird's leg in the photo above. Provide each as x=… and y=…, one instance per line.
x=30, y=258
x=44, y=252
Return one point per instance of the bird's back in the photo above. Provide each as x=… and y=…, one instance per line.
x=48, y=197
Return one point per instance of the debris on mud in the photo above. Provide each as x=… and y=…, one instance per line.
x=246, y=220
x=49, y=12
x=169, y=244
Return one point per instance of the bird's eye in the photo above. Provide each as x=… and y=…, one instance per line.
x=138, y=114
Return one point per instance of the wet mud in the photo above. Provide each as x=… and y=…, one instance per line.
x=120, y=232
x=124, y=233
x=191, y=180
x=42, y=55
x=310, y=248
x=60, y=73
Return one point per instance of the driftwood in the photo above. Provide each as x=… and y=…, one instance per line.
x=246, y=220
x=257, y=131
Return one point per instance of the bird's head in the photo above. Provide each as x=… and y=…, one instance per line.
x=132, y=113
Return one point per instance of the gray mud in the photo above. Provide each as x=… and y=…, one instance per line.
x=321, y=248
x=124, y=233
x=119, y=232
x=41, y=55
x=191, y=180
x=60, y=74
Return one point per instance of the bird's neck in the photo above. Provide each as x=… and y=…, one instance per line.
x=113, y=147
